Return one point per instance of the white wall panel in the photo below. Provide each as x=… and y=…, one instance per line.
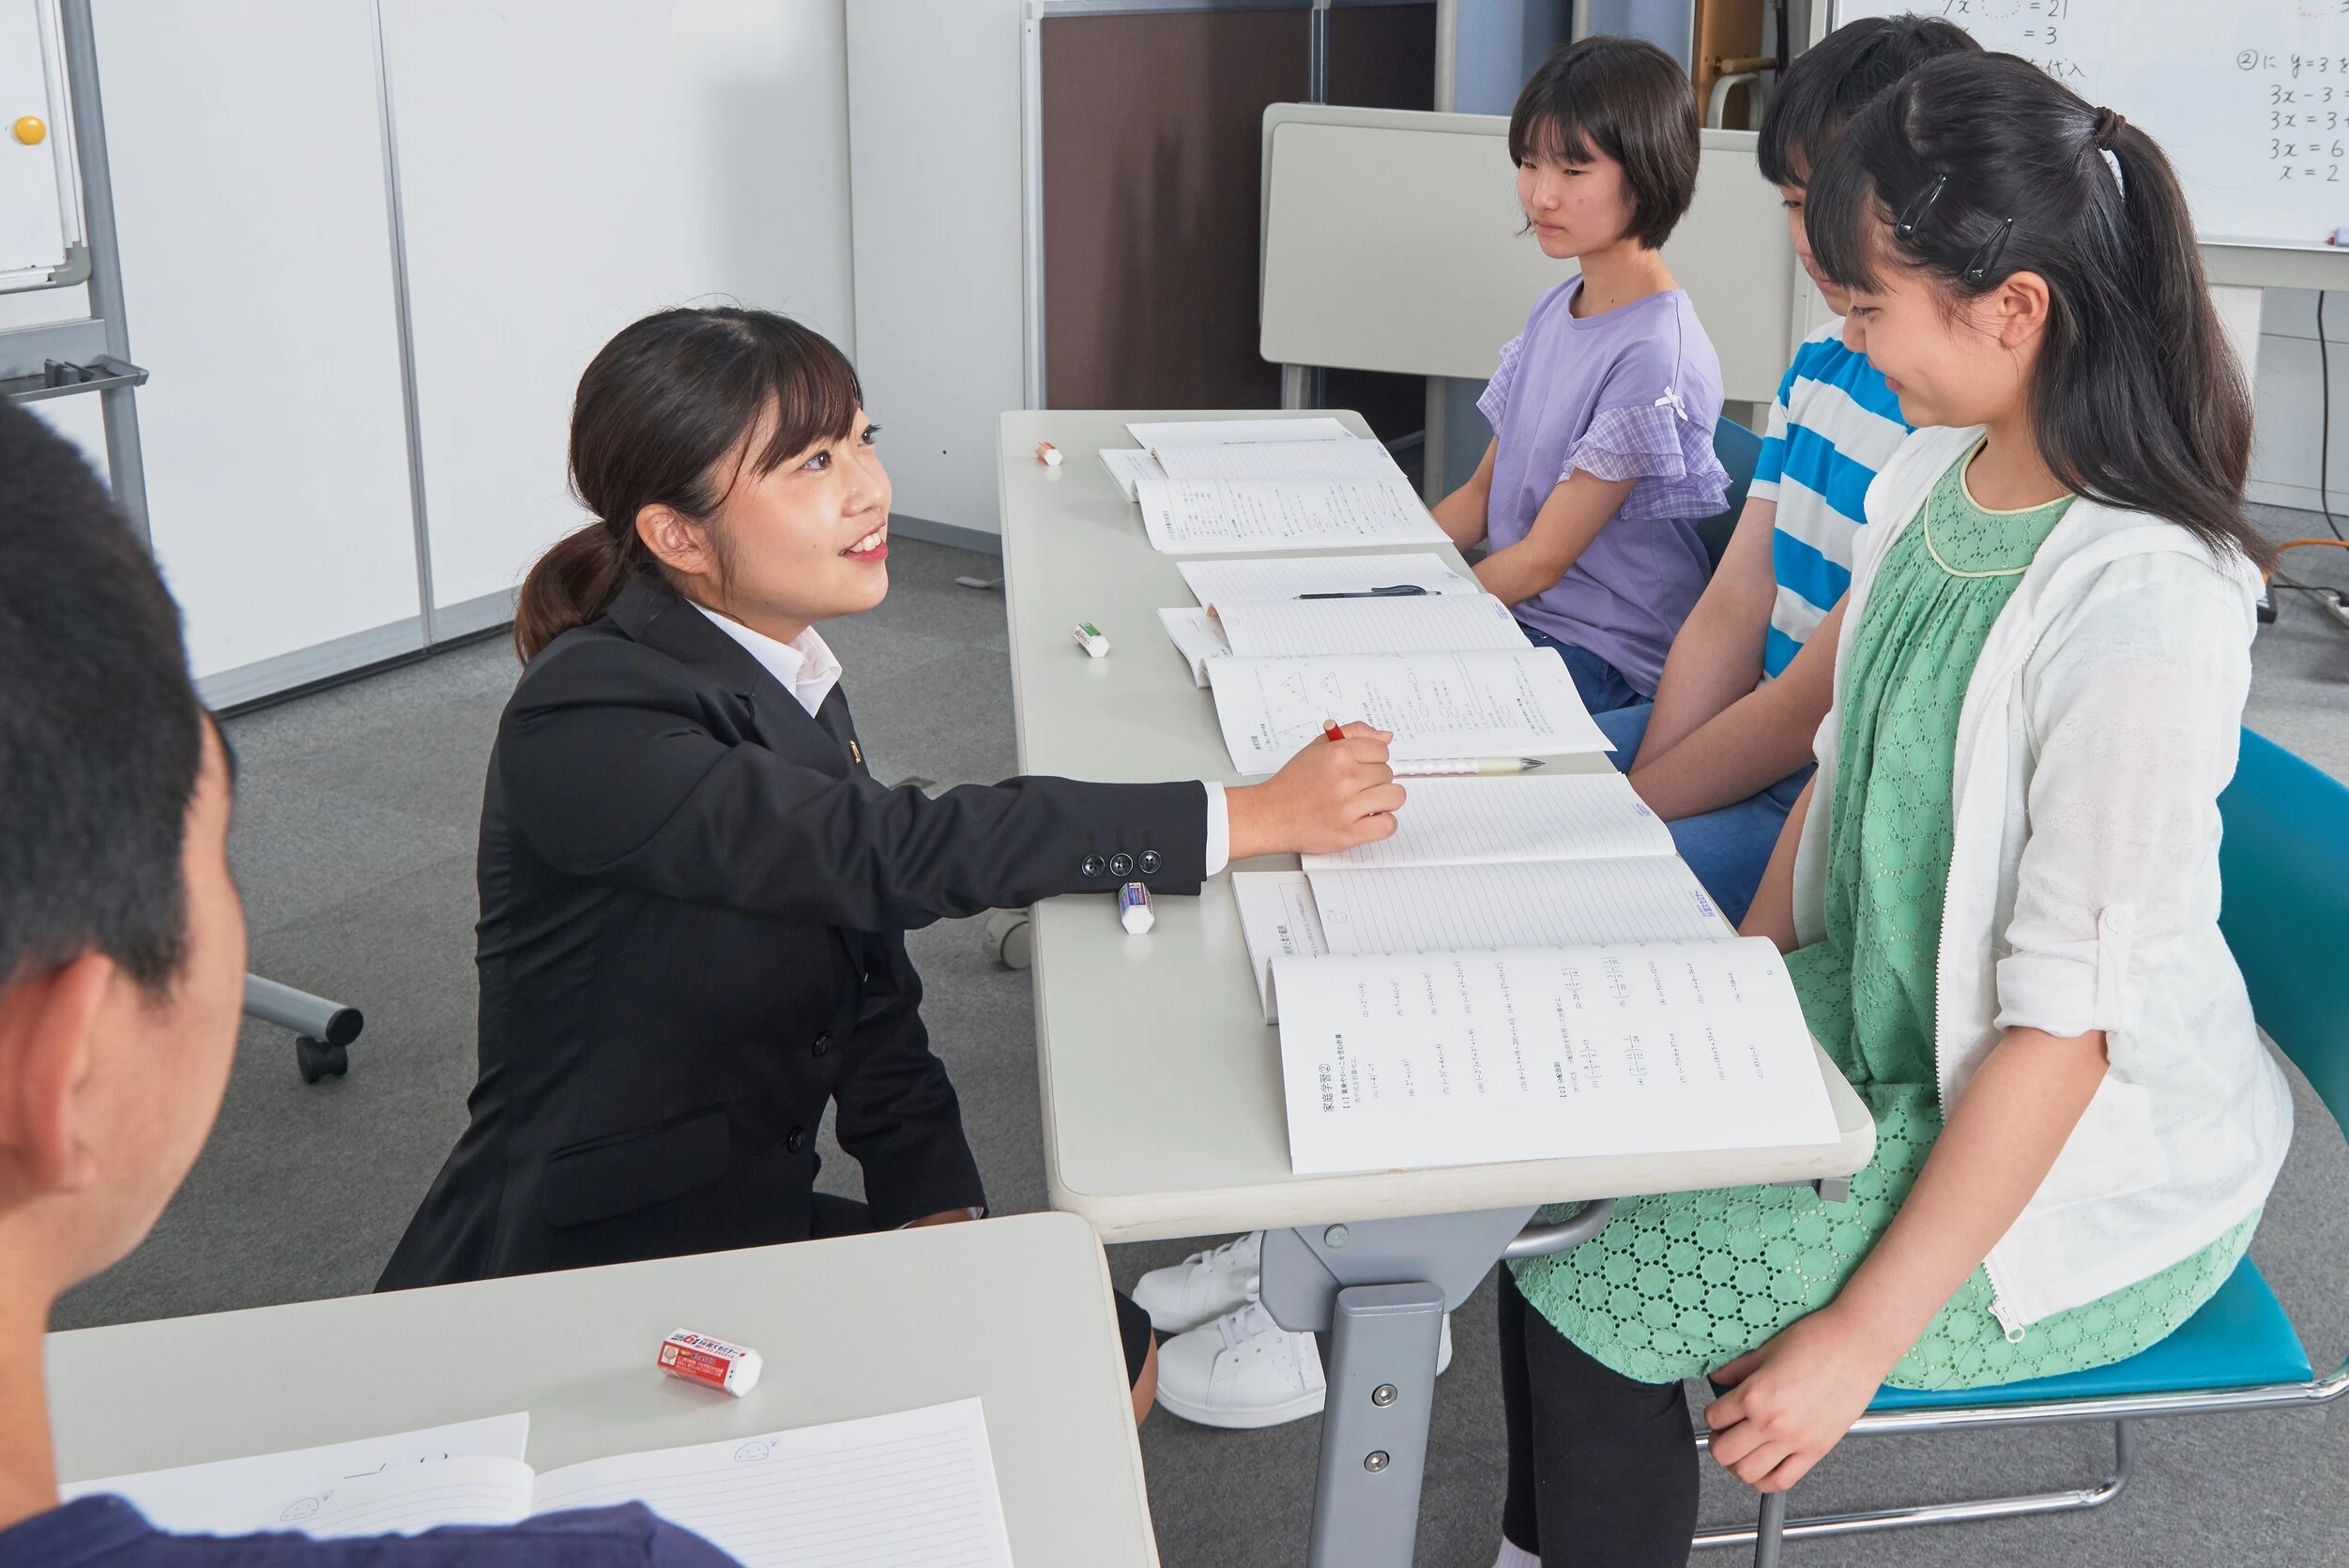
x=567, y=166
x=934, y=92
x=257, y=270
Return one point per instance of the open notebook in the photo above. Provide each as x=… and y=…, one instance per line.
x=1188, y=517
x=915, y=1490
x=1277, y=627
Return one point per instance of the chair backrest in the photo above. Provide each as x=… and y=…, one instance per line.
x=2284, y=865
x=1739, y=449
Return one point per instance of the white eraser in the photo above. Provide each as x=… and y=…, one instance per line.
x=1135, y=912
x=1093, y=639
x=1047, y=454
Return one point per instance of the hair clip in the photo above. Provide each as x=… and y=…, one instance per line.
x=1920, y=204
x=1979, y=265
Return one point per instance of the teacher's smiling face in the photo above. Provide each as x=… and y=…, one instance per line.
x=805, y=541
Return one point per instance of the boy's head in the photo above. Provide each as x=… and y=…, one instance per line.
x=1603, y=136
x=122, y=943
x=1829, y=83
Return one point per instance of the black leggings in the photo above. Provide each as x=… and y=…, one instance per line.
x=1602, y=1469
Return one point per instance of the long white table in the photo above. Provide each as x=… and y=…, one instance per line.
x=1163, y=1110
x=1015, y=1311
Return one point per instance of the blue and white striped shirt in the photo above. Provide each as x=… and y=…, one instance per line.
x=1833, y=425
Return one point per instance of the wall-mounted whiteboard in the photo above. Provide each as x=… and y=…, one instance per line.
x=2249, y=98
x=40, y=206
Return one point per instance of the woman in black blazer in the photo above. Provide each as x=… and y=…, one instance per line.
x=694, y=894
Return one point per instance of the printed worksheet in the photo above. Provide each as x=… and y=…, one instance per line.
x=1503, y=821
x=1431, y=623
x=1354, y=459
x=1128, y=466
x=1540, y=904
x=1493, y=702
x=1474, y=1058
x=1213, y=433
x=1289, y=576
x=1278, y=920
x=1188, y=517
x=1197, y=636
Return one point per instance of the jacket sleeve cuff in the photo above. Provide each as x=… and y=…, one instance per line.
x=948, y=1179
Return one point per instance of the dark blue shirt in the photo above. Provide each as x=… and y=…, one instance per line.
x=108, y=1532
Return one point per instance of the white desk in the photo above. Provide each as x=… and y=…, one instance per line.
x=1015, y=1311
x=1162, y=1110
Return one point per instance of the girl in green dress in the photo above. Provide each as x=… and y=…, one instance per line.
x=1999, y=896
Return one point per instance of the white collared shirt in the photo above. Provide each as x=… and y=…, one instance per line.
x=809, y=670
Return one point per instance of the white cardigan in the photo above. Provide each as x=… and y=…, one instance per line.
x=2098, y=728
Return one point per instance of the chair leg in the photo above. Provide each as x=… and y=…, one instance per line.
x=1773, y=1526
x=1769, y=1529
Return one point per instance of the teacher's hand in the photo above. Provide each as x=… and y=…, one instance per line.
x=1329, y=796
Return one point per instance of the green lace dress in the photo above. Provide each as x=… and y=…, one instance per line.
x=1679, y=1283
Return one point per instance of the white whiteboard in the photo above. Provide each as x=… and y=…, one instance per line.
x=2249, y=98
x=39, y=202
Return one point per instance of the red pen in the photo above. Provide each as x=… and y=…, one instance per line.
x=1330, y=729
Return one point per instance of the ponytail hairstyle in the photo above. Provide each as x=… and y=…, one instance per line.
x=1976, y=167
x=666, y=415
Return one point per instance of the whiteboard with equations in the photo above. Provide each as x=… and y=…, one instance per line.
x=2249, y=98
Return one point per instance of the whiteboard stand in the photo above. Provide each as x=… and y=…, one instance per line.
x=61, y=359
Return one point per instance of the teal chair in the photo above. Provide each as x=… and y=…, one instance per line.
x=2284, y=863
x=1738, y=449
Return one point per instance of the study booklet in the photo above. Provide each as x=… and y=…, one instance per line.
x=1537, y=817
x=1497, y=702
x=1352, y=459
x=1277, y=577
x=1454, y=1059
x=1216, y=432
x=1189, y=517
x=1432, y=623
x=909, y=1490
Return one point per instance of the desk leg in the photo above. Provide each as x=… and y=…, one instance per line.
x=1374, y=1428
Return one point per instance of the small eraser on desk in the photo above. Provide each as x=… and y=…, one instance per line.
x=1093, y=639
x=1047, y=454
x=1135, y=912
x=714, y=1364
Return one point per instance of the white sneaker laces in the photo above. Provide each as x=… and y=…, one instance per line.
x=1250, y=1322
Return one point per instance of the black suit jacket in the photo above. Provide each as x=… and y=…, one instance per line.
x=694, y=897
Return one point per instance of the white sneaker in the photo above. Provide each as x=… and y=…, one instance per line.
x=1203, y=1286
x=1244, y=1370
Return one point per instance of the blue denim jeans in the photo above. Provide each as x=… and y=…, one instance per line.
x=1726, y=849
x=1602, y=685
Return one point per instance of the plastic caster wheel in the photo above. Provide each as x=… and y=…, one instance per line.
x=1009, y=938
x=317, y=1059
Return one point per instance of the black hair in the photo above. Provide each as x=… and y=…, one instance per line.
x=1630, y=101
x=100, y=733
x=660, y=410
x=1976, y=167
x=1837, y=77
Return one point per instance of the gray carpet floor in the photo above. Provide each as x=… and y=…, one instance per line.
x=354, y=843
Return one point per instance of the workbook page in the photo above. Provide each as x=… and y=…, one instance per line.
x=1200, y=516
x=1432, y=623
x=1209, y=433
x=1278, y=920
x=911, y=1490
x=1540, y=816
x=1287, y=577
x=400, y=1477
x=1474, y=1058
x=1197, y=636
x=1279, y=460
x=1128, y=465
x=1437, y=705
x=1544, y=903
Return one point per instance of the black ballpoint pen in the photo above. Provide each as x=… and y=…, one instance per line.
x=1393, y=591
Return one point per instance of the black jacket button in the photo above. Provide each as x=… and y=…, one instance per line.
x=820, y=1045
x=1091, y=865
x=1149, y=862
x=795, y=1140
x=1121, y=865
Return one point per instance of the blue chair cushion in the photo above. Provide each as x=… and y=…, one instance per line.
x=2239, y=1339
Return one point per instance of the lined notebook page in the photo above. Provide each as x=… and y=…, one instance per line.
x=1279, y=460
x=1471, y=1059
x=1278, y=920
x=1546, y=904
x=1286, y=577
x=1542, y=816
x=1436, y=623
x=1437, y=705
x=288, y=1490
x=1208, y=433
x=911, y=1490
x=1197, y=516
x=1129, y=464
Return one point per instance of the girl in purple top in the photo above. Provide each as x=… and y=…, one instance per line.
x=1603, y=410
